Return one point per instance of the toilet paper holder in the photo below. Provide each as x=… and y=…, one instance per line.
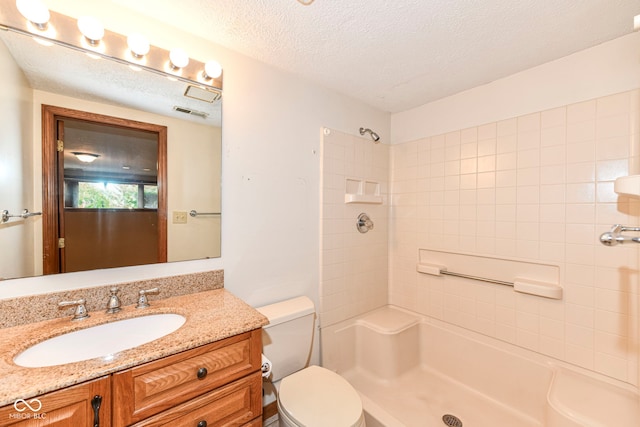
x=266, y=367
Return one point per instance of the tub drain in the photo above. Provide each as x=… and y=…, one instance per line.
x=451, y=420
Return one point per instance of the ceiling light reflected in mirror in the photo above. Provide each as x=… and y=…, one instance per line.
x=85, y=157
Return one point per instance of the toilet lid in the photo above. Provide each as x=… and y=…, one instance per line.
x=318, y=397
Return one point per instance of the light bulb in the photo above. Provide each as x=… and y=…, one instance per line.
x=178, y=58
x=91, y=28
x=35, y=12
x=138, y=44
x=212, y=70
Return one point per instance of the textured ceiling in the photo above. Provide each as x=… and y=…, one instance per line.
x=397, y=55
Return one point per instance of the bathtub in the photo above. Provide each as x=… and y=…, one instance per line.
x=415, y=371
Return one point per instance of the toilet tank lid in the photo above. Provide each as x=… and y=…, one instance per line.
x=284, y=311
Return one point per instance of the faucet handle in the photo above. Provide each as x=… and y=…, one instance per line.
x=113, y=305
x=81, y=311
x=143, y=302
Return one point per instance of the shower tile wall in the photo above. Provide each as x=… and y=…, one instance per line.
x=536, y=187
x=354, y=265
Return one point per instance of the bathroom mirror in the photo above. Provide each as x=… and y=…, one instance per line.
x=36, y=75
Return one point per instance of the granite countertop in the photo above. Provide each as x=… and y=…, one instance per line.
x=210, y=316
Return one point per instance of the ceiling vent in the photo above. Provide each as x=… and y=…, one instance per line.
x=191, y=111
x=202, y=93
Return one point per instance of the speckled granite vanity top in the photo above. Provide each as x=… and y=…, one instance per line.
x=211, y=316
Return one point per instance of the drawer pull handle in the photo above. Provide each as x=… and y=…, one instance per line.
x=202, y=373
x=202, y=423
x=96, y=402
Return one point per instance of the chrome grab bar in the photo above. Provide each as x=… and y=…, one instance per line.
x=5, y=215
x=195, y=213
x=481, y=279
x=615, y=237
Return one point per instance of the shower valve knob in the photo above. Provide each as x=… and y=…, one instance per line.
x=364, y=223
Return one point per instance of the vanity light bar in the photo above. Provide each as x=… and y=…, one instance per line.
x=112, y=46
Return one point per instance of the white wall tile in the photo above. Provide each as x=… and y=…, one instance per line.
x=506, y=143
x=581, y=111
x=529, y=123
x=354, y=266
x=487, y=131
x=553, y=136
x=528, y=140
x=487, y=147
x=537, y=187
x=553, y=118
x=613, y=126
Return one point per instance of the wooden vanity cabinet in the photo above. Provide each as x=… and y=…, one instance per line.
x=69, y=407
x=218, y=384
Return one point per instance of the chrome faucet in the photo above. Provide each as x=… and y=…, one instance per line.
x=143, y=302
x=113, y=305
x=81, y=311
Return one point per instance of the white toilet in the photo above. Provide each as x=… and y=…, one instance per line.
x=309, y=396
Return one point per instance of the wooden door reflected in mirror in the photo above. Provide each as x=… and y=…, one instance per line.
x=104, y=191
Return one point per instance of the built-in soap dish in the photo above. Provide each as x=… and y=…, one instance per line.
x=362, y=191
x=628, y=185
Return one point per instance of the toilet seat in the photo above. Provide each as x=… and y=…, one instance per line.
x=318, y=397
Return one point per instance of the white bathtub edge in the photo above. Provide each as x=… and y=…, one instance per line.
x=564, y=406
x=378, y=414
x=571, y=394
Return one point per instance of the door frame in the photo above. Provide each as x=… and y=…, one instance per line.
x=50, y=191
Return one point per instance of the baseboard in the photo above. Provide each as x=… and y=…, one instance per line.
x=269, y=410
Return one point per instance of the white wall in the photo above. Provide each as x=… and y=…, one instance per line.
x=16, y=169
x=194, y=164
x=270, y=142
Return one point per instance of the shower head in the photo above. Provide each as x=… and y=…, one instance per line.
x=374, y=136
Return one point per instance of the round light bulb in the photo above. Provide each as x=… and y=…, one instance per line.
x=212, y=70
x=91, y=28
x=35, y=11
x=138, y=44
x=178, y=58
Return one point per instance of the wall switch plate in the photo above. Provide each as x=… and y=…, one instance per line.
x=179, y=217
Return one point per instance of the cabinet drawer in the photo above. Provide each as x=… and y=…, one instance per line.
x=235, y=404
x=151, y=388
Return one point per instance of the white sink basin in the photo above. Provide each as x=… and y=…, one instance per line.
x=99, y=341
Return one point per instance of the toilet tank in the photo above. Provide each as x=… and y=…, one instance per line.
x=286, y=340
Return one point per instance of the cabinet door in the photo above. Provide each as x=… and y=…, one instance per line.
x=69, y=407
